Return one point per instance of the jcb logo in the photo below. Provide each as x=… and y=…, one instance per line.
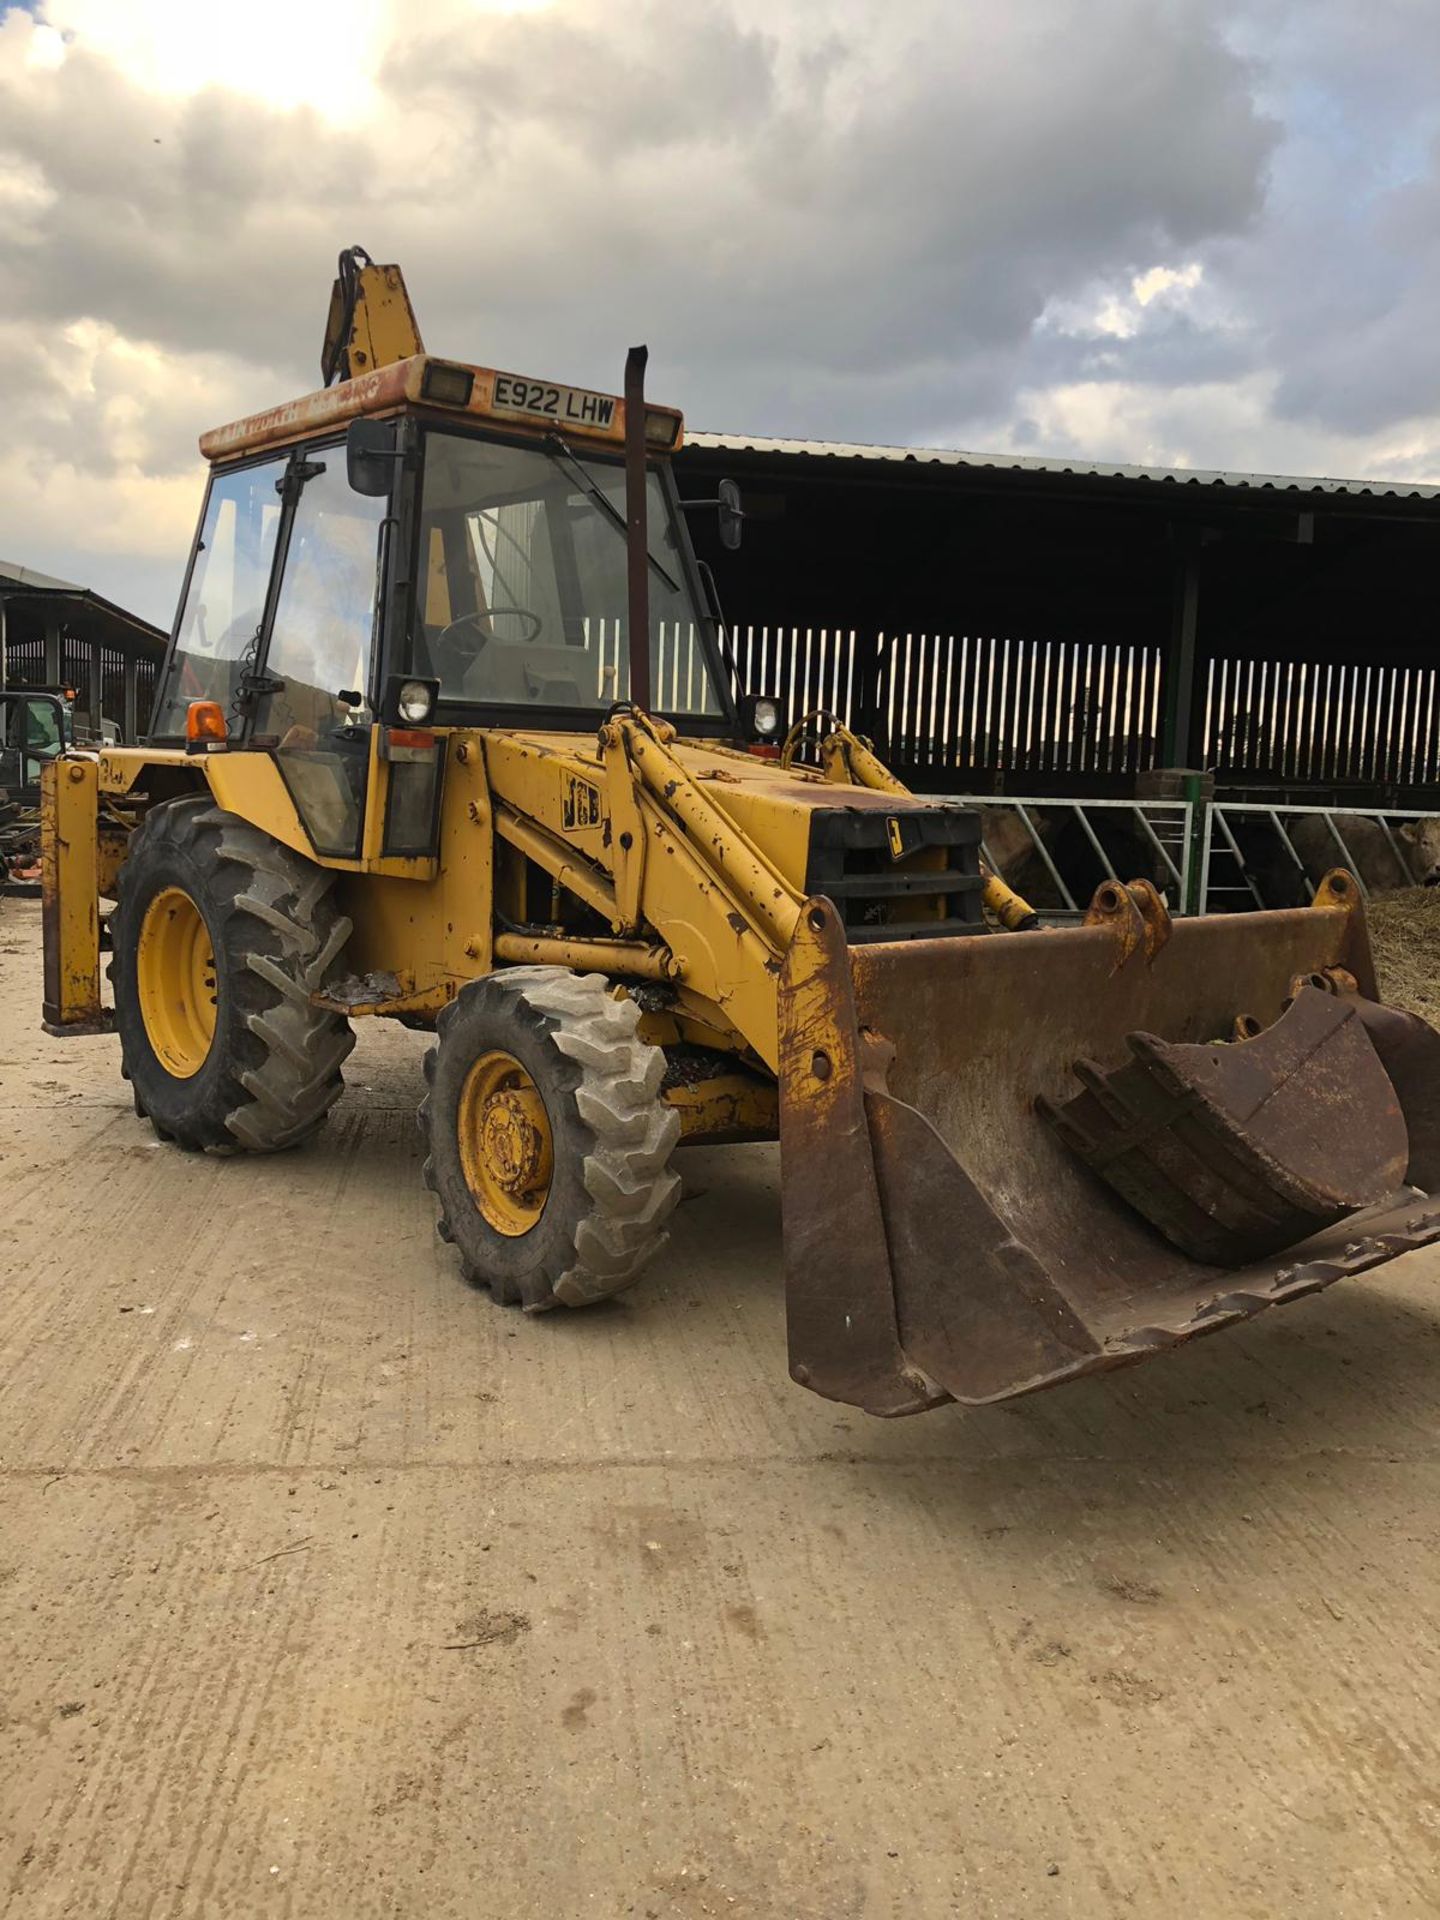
x=582, y=804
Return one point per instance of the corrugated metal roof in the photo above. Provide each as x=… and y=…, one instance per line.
x=1188, y=478
x=13, y=574
x=27, y=586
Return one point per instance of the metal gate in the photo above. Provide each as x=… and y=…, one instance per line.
x=1256, y=855
x=1205, y=856
x=1120, y=839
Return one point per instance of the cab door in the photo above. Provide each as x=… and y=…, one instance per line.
x=314, y=692
x=32, y=731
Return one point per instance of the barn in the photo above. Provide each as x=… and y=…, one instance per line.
x=1017, y=625
x=54, y=633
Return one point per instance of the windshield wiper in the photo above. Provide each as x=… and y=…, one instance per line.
x=606, y=505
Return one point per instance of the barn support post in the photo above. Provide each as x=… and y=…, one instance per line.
x=97, y=686
x=870, y=648
x=1178, y=746
x=1199, y=792
x=54, y=671
x=130, y=722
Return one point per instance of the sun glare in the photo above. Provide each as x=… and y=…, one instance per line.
x=287, y=54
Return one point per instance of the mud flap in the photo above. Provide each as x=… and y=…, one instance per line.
x=941, y=1241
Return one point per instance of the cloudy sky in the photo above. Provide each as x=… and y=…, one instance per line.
x=1197, y=232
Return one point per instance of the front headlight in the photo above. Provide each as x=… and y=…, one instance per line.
x=416, y=702
x=766, y=718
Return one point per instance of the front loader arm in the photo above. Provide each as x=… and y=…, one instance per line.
x=689, y=897
x=725, y=912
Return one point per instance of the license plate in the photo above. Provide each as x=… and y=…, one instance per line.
x=565, y=406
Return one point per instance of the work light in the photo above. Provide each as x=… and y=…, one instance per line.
x=416, y=702
x=451, y=386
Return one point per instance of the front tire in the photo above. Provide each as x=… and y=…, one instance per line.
x=548, y=1143
x=220, y=937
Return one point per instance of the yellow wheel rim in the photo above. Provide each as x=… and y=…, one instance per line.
x=175, y=975
x=507, y=1152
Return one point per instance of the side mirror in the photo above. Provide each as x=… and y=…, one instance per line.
x=371, y=450
x=727, y=504
x=732, y=514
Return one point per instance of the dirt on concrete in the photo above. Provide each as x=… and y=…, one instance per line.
x=327, y=1588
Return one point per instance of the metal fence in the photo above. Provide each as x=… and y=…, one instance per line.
x=1006, y=706
x=1296, y=720
x=957, y=700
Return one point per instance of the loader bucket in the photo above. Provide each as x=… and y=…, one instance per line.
x=1013, y=1159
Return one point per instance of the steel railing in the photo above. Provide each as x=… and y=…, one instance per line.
x=1196, y=858
x=1222, y=814
x=1165, y=826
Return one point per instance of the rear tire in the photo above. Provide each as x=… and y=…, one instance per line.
x=220, y=937
x=548, y=1143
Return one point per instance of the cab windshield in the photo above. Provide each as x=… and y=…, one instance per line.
x=523, y=583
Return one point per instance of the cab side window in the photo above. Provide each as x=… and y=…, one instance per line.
x=220, y=618
x=320, y=647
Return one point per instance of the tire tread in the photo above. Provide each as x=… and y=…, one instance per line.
x=630, y=1187
x=280, y=934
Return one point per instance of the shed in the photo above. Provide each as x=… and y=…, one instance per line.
x=54, y=633
x=1006, y=623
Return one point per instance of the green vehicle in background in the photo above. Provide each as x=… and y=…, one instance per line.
x=36, y=725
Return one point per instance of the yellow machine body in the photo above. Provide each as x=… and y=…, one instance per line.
x=694, y=851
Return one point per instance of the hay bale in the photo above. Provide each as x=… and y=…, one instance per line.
x=1405, y=933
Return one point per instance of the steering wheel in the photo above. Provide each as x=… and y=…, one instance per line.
x=474, y=619
x=452, y=656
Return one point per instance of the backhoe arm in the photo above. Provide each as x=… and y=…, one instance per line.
x=371, y=322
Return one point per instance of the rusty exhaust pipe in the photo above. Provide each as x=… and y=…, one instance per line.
x=636, y=531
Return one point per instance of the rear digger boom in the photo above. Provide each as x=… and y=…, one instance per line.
x=404, y=765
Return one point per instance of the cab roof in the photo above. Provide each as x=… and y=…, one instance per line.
x=443, y=388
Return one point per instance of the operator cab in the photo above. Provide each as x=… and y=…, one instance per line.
x=521, y=583
x=428, y=545
x=35, y=726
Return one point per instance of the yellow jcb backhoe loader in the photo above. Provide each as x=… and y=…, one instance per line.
x=447, y=734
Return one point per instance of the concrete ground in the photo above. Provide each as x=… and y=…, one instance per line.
x=329, y=1588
